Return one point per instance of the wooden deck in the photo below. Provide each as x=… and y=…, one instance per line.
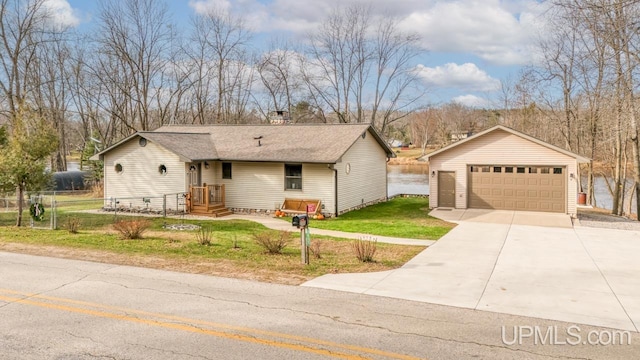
x=208, y=200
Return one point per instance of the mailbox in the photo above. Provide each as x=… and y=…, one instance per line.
x=300, y=221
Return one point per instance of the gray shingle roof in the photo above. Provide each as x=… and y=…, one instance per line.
x=189, y=146
x=325, y=143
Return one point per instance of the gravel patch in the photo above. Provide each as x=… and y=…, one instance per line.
x=607, y=221
x=181, y=227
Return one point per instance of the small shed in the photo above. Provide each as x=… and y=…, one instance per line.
x=501, y=168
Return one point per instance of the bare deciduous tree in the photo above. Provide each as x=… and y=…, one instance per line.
x=221, y=56
x=134, y=38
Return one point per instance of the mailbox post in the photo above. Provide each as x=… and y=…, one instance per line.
x=302, y=223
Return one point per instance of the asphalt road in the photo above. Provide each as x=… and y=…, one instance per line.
x=65, y=309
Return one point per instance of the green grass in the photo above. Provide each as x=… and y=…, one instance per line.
x=400, y=217
x=182, y=252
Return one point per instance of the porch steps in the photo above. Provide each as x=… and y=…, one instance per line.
x=214, y=210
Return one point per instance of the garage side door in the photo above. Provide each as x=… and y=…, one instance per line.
x=530, y=188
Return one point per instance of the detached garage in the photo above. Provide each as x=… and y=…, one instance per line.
x=501, y=168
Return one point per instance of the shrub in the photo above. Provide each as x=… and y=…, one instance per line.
x=72, y=224
x=315, y=248
x=131, y=229
x=272, y=243
x=364, y=249
x=204, y=235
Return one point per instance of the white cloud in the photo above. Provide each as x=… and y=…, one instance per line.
x=488, y=29
x=466, y=76
x=204, y=6
x=62, y=13
x=471, y=101
x=497, y=31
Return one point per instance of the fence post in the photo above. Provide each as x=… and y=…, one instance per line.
x=53, y=212
x=164, y=205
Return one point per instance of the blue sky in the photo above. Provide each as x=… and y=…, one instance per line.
x=471, y=45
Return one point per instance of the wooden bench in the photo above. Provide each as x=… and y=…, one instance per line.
x=299, y=206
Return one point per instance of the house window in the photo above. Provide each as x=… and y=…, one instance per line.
x=533, y=170
x=162, y=170
x=520, y=170
x=118, y=168
x=474, y=169
x=226, y=170
x=508, y=169
x=497, y=169
x=557, y=170
x=485, y=169
x=544, y=170
x=292, y=177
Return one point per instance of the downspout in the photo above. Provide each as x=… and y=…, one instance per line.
x=386, y=179
x=335, y=188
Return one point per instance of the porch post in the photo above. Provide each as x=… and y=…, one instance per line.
x=206, y=196
x=222, y=195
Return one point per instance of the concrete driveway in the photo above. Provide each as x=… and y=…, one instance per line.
x=521, y=263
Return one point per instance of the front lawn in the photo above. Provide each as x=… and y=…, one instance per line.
x=400, y=217
x=233, y=252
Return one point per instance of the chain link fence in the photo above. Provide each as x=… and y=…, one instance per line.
x=56, y=210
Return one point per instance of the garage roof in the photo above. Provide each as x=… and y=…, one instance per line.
x=579, y=158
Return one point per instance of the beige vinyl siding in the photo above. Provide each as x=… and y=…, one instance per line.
x=498, y=148
x=261, y=185
x=209, y=176
x=140, y=176
x=367, y=178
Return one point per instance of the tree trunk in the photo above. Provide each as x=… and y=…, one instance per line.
x=590, y=183
x=617, y=185
x=19, y=199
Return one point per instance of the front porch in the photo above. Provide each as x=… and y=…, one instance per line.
x=208, y=200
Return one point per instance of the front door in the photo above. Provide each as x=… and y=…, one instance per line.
x=446, y=189
x=195, y=174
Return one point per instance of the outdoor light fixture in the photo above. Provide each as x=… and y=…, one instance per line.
x=206, y=165
x=433, y=173
x=571, y=175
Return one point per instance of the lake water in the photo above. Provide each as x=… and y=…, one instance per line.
x=408, y=179
x=414, y=179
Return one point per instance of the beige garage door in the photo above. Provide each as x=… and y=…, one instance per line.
x=531, y=188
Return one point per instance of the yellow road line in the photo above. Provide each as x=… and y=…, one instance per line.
x=201, y=322
x=182, y=327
